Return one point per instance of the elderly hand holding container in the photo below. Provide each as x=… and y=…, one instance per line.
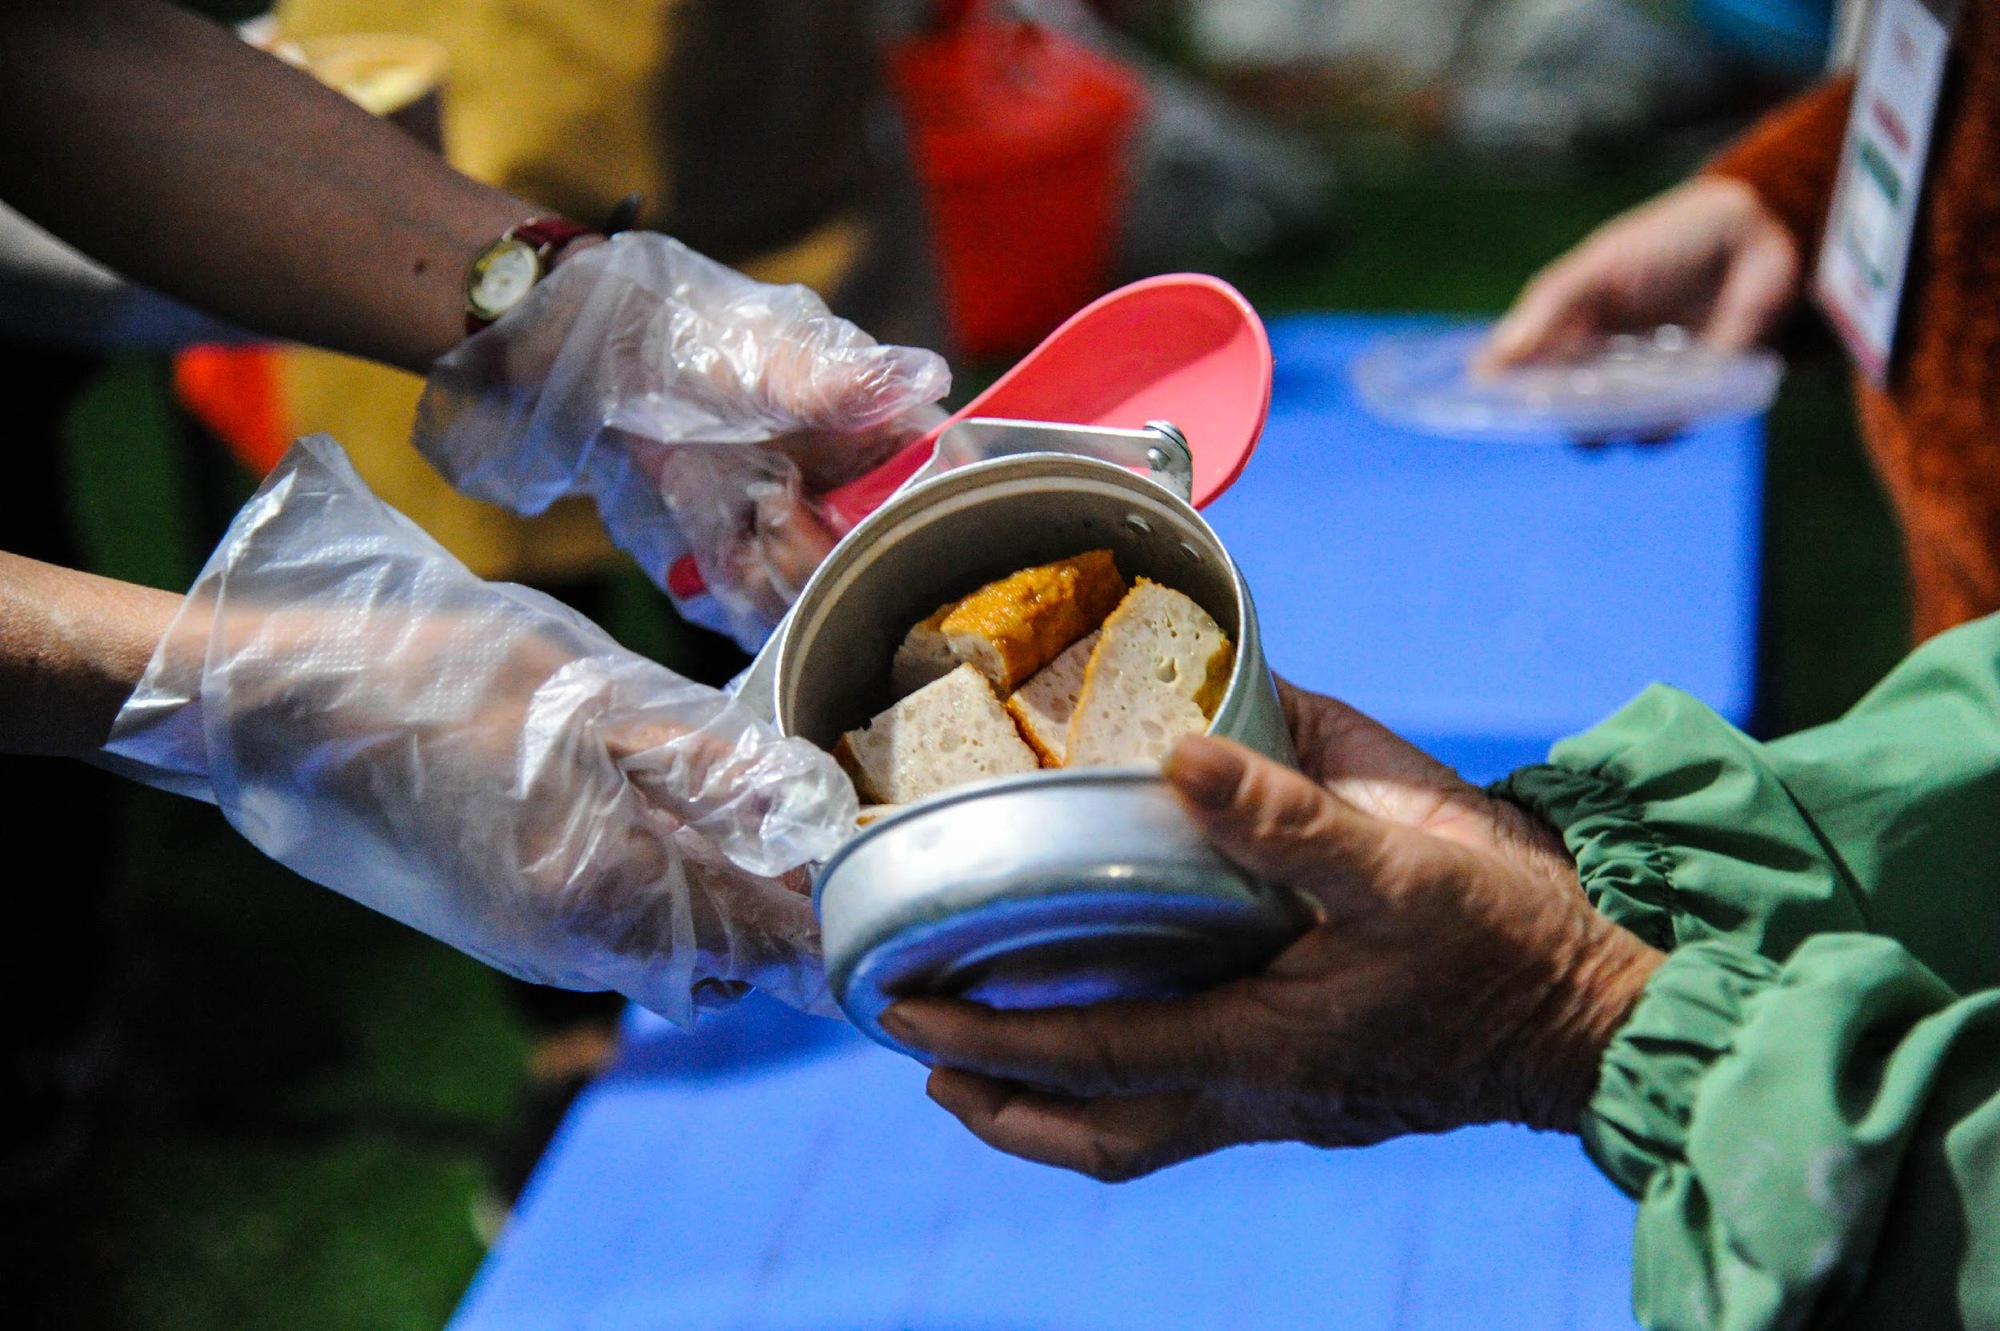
x=1758, y=980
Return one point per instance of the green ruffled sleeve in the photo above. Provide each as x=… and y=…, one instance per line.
x=1813, y=1144
x=1886, y=821
x=1807, y=1099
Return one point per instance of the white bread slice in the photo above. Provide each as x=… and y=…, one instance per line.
x=1157, y=675
x=1011, y=628
x=1043, y=706
x=925, y=655
x=945, y=734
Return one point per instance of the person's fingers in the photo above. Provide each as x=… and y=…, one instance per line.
x=768, y=803
x=1279, y=824
x=829, y=459
x=1566, y=296
x=1105, y=1049
x=851, y=388
x=790, y=537
x=1112, y=1139
x=1760, y=287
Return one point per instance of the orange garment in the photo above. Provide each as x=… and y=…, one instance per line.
x=1934, y=431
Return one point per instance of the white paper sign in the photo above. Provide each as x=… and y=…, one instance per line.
x=1866, y=253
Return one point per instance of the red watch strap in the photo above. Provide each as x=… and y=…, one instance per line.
x=549, y=234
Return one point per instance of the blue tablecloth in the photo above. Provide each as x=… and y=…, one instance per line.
x=1488, y=598
x=777, y=1171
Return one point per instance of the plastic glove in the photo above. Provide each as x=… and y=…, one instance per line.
x=480, y=762
x=699, y=408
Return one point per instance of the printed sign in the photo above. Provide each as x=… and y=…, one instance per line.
x=1866, y=252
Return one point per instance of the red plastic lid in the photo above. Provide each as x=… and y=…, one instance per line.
x=1185, y=348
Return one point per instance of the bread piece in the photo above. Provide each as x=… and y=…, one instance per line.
x=1042, y=707
x=945, y=734
x=925, y=656
x=1157, y=675
x=1011, y=628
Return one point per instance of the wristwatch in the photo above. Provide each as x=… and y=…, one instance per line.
x=508, y=269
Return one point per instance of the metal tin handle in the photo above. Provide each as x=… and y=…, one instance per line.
x=1160, y=450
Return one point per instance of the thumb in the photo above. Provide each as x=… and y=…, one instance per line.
x=1279, y=824
x=1544, y=319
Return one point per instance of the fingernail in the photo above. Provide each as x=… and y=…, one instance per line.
x=894, y=1022
x=1206, y=772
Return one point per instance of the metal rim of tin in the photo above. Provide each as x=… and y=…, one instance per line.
x=1249, y=710
x=1115, y=895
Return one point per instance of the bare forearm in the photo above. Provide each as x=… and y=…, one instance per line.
x=159, y=143
x=72, y=648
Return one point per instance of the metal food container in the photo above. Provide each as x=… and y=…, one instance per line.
x=1054, y=887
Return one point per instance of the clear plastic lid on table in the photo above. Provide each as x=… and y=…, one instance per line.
x=1630, y=387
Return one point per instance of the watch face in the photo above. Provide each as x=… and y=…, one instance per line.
x=501, y=277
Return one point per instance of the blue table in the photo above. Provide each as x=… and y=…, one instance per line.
x=1486, y=599
x=776, y=1171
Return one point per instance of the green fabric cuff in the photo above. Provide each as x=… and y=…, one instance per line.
x=1621, y=862
x=1684, y=830
x=1685, y=1021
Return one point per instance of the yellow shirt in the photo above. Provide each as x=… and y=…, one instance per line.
x=557, y=101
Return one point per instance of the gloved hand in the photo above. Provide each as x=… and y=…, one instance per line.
x=480, y=762
x=699, y=408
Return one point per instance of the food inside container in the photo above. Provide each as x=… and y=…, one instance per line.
x=1062, y=664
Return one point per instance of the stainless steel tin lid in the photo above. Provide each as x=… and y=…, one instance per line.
x=1063, y=887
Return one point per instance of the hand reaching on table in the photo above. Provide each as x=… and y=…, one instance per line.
x=1458, y=976
x=1707, y=255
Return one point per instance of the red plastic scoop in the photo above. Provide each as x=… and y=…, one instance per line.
x=1185, y=348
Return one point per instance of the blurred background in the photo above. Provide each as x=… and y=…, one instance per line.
x=234, y=1099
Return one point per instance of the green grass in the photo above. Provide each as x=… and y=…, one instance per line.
x=354, y=1234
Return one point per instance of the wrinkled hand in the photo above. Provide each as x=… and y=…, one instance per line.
x=1458, y=977
x=1707, y=255
x=699, y=408
x=480, y=762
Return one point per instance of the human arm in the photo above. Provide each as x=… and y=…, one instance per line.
x=1806, y=1096
x=1457, y=976
x=1805, y=1100
x=1724, y=255
x=700, y=409
x=157, y=142
x=72, y=646
x=169, y=149
x=480, y=762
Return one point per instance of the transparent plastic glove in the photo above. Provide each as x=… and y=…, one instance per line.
x=480, y=762
x=699, y=408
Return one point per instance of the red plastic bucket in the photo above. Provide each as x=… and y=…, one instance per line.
x=1019, y=136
